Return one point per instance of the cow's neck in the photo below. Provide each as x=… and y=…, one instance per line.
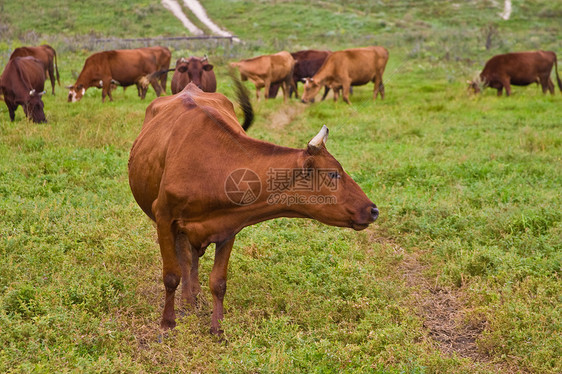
x=322, y=76
x=272, y=165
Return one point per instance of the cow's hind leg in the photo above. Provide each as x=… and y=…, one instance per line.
x=171, y=271
x=217, y=283
x=52, y=77
x=377, y=89
x=156, y=85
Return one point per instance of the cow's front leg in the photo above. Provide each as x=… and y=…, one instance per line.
x=345, y=93
x=12, y=110
x=171, y=272
x=217, y=283
x=507, y=89
x=106, y=89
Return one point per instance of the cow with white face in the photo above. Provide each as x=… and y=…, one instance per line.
x=124, y=66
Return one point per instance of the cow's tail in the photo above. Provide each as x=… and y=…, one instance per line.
x=57, y=67
x=243, y=99
x=556, y=70
x=158, y=73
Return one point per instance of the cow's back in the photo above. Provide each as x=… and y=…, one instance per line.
x=308, y=62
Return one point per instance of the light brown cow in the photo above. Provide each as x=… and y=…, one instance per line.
x=267, y=69
x=195, y=172
x=123, y=67
x=346, y=68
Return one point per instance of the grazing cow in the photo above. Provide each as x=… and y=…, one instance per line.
x=307, y=63
x=196, y=70
x=48, y=57
x=342, y=69
x=123, y=67
x=195, y=172
x=518, y=69
x=267, y=69
x=22, y=83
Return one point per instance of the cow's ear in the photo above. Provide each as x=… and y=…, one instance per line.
x=319, y=141
x=208, y=67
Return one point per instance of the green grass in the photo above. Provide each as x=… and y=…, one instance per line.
x=469, y=185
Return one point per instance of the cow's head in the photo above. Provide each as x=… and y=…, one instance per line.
x=33, y=108
x=333, y=197
x=194, y=67
x=476, y=86
x=311, y=88
x=75, y=93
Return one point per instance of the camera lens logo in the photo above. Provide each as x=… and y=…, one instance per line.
x=243, y=187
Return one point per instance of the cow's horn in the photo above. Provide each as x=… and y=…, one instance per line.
x=32, y=92
x=69, y=87
x=205, y=58
x=320, y=138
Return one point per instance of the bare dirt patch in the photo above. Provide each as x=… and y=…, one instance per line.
x=442, y=310
x=285, y=115
x=443, y=313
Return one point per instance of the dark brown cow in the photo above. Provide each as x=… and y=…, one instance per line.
x=22, y=83
x=267, y=69
x=307, y=63
x=342, y=69
x=123, y=67
x=48, y=57
x=518, y=69
x=196, y=70
x=195, y=172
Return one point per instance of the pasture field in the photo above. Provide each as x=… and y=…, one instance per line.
x=460, y=273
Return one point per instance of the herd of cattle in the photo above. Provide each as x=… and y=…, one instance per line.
x=187, y=190
x=22, y=82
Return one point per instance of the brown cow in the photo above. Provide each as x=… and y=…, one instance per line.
x=124, y=67
x=48, y=57
x=195, y=172
x=267, y=69
x=22, y=83
x=196, y=70
x=518, y=69
x=342, y=69
x=307, y=63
